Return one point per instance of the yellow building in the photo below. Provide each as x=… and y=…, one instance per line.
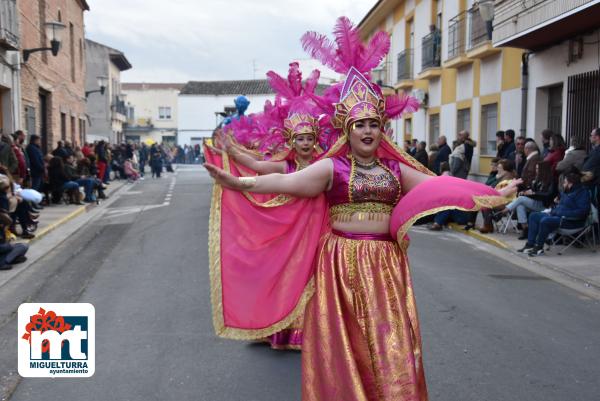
x=441, y=53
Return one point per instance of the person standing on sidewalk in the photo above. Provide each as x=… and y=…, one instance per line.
x=102, y=160
x=37, y=168
x=143, y=158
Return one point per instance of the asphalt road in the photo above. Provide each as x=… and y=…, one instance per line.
x=491, y=331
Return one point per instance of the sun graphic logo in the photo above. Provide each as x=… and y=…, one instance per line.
x=56, y=340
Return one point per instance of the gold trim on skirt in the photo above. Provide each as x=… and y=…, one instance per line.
x=361, y=333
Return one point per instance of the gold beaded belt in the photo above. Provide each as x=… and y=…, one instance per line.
x=365, y=211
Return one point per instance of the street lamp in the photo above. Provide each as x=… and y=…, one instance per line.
x=102, y=83
x=486, y=10
x=54, y=32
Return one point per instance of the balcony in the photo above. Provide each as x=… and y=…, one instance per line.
x=543, y=23
x=457, y=38
x=405, y=69
x=431, y=55
x=478, y=43
x=119, y=110
x=9, y=28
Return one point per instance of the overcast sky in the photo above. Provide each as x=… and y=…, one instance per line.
x=181, y=40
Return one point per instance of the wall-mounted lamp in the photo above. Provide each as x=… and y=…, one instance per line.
x=54, y=32
x=102, y=83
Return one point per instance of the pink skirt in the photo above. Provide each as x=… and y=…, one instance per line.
x=361, y=333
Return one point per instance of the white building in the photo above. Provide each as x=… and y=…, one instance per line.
x=562, y=39
x=202, y=105
x=106, y=111
x=463, y=82
x=152, y=111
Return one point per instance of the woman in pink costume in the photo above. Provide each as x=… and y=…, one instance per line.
x=362, y=339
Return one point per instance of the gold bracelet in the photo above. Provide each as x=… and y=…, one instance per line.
x=247, y=182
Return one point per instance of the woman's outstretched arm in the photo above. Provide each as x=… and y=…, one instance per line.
x=305, y=183
x=260, y=166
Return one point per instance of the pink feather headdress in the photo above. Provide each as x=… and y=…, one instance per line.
x=358, y=98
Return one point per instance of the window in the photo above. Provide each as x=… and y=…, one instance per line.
x=489, y=126
x=63, y=126
x=72, y=50
x=463, y=120
x=434, y=128
x=164, y=113
x=81, y=132
x=555, y=109
x=73, y=131
x=408, y=128
x=30, y=120
x=131, y=113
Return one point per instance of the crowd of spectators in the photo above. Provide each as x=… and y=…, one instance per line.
x=31, y=180
x=555, y=185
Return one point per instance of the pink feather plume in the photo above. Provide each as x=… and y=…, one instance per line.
x=395, y=105
x=375, y=51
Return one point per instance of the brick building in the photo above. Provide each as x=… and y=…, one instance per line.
x=53, y=87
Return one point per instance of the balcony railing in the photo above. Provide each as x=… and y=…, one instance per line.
x=431, y=50
x=477, y=29
x=9, y=28
x=405, y=64
x=457, y=33
x=120, y=107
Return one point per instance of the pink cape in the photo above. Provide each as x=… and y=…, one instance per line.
x=262, y=247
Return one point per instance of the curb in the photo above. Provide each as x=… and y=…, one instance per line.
x=75, y=213
x=482, y=237
x=504, y=246
x=80, y=210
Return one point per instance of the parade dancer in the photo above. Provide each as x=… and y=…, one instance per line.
x=362, y=338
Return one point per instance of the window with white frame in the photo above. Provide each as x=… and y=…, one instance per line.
x=164, y=113
x=434, y=128
x=463, y=120
x=489, y=126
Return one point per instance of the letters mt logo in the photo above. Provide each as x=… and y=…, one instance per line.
x=56, y=340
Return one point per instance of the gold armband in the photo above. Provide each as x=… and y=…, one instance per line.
x=247, y=182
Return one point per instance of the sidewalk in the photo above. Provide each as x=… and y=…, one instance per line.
x=580, y=264
x=54, y=216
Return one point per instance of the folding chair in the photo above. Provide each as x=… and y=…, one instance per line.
x=580, y=235
x=505, y=222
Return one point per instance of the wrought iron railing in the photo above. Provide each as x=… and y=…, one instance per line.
x=477, y=29
x=431, y=50
x=120, y=107
x=405, y=64
x=457, y=33
x=9, y=27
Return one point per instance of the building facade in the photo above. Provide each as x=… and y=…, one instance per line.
x=441, y=53
x=152, y=111
x=53, y=87
x=10, y=86
x=107, y=112
x=561, y=39
x=202, y=105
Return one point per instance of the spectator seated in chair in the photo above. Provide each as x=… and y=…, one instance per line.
x=60, y=183
x=86, y=168
x=534, y=199
x=18, y=209
x=506, y=178
x=571, y=212
x=81, y=180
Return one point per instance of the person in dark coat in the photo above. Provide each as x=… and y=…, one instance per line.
x=37, y=168
x=532, y=157
x=443, y=155
x=156, y=162
x=509, y=148
x=421, y=154
x=143, y=159
x=591, y=165
x=571, y=212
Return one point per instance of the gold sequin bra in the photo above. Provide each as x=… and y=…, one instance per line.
x=372, y=196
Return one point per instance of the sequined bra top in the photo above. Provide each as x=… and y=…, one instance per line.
x=355, y=192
